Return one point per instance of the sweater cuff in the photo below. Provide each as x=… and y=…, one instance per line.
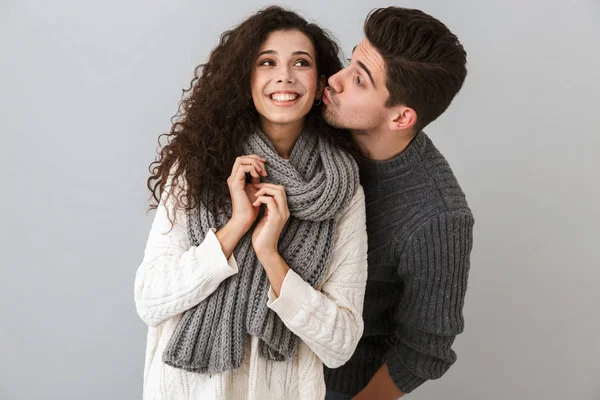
x=291, y=297
x=211, y=248
x=402, y=376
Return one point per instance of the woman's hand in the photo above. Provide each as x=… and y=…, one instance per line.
x=266, y=233
x=242, y=194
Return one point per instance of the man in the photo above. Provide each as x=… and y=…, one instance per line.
x=402, y=76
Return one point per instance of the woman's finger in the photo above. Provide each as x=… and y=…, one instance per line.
x=256, y=157
x=270, y=203
x=259, y=166
x=239, y=176
x=248, y=169
x=273, y=211
x=259, y=162
x=249, y=160
x=274, y=190
x=272, y=186
x=278, y=194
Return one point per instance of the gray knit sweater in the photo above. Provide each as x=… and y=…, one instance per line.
x=420, y=236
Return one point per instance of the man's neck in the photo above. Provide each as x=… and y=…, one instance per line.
x=381, y=146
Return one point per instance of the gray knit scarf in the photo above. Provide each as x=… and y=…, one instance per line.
x=320, y=180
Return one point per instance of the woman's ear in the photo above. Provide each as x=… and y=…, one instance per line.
x=320, y=88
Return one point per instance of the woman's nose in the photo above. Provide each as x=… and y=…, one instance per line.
x=286, y=76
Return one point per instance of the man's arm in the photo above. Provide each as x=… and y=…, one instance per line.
x=434, y=264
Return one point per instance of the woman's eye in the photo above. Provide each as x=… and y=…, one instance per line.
x=302, y=63
x=358, y=81
x=267, y=63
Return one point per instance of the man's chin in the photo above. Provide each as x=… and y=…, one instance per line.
x=332, y=119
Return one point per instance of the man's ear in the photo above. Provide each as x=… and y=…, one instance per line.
x=320, y=87
x=402, y=118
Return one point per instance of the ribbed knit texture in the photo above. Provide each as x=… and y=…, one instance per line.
x=420, y=232
x=320, y=182
x=174, y=276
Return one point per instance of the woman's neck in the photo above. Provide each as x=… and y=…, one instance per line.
x=283, y=136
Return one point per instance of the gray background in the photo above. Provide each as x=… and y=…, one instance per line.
x=86, y=87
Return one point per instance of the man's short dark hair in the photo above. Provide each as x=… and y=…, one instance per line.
x=425, y=62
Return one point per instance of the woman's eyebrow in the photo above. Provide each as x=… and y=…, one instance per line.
x=300, y=52
x=267, y=52
x=296, y=53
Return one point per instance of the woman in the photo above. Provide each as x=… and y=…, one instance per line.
x=255, y=268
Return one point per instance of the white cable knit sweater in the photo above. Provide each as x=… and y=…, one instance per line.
x=174, y=276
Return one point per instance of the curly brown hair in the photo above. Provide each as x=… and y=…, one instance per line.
x=217, y=113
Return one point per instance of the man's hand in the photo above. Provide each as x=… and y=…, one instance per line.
x=380, y=387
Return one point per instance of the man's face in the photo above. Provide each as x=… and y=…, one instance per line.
x=356, y=95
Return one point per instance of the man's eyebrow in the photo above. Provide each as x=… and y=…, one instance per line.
x=350, y=59
x=363, y=66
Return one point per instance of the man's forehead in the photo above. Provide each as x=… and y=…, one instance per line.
x=369, y=54
x=366, y=54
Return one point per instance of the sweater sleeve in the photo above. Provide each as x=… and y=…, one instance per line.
x=434, y=264
x=329, y=320
x=174, y=276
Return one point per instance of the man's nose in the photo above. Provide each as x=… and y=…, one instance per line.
x=334, y=81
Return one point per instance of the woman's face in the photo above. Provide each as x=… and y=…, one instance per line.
x=284, y=79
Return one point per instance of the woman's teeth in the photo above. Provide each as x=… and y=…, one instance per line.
x=284, y=97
